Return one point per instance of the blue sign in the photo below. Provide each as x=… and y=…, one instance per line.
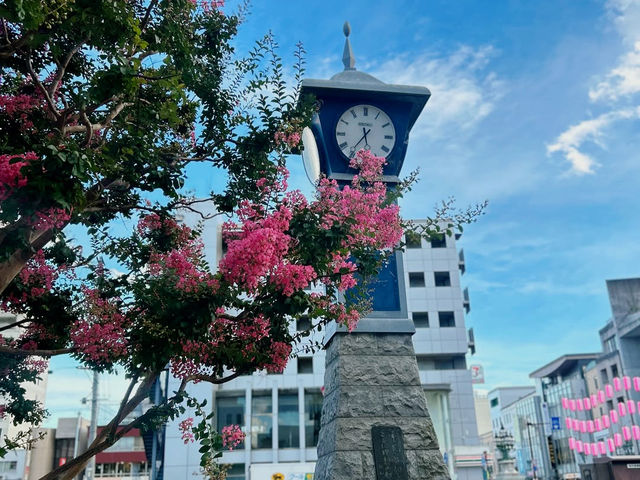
x=555, y=423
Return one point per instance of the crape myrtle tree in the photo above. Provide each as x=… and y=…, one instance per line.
x=99, y=102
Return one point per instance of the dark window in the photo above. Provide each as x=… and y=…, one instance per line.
x=446, y=319
x=416, y=279
x=230, y=411
x=420, y=319
x=610, y=405
x=620, y=399
x=494, y=402
x=305, y=365
x=444, y=364
x=614, y=370
x=236, y=472
x=288, y=420
x=603, y=376
x=442, y=279
x=414, y=240
x=312, y=413
x=261, y=421
x=63, y=450
x=438, y=241
x=303, y=324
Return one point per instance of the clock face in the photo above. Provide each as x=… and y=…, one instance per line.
x=365, y=127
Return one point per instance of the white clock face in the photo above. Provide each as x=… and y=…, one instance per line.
x=365, y=127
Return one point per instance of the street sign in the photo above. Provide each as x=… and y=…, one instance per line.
x=555, y=423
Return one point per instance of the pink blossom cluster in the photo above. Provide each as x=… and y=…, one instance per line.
x=208, y=5
x=101, y=335
x=232, y=436
x=291, y=278
x=11, y=177
x=38, y=364
x=280, y=352
x=184, y=263
x=20, y=106
x=185, y=427
x=36, y=278
x=3, y=409
x=50, y=218
x=341, y=265
x=371, y=222
x=348, y=317
x=290, y=139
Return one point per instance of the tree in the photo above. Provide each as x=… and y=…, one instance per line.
x=99, y=103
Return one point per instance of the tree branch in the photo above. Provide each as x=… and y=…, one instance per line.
x=212, y=379
x=18, y=352
x=98, y=126
x=63, y=66
x=14, y=324
x=45, y=93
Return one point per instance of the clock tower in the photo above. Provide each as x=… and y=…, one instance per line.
x=375, y=422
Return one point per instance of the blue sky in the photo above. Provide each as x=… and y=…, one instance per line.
x=535, y=107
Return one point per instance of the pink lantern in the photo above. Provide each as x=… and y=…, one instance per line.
x=567, y=421
x=636, y=432
x=579, y=404
x=579, y=445
x=614, y=416
x=626, y=381
x=612, y=447
x=617, y=438
x=602, y=448
x=572, y=443
x=598, y=424
x=636, y=384
x=572, y=405
x=631, y=406
x=583, y=426
x=605, y=421
x=594, y=449
x=576, y=425
x=590, y=426
x=626, y=433
x=609, y=391
x=617, y=384
x=594, y=400
x=587, y=403
x=565, y=403
x=587, y=448
x=622, y=409
x=601, y=398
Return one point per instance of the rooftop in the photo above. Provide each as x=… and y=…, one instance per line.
x=562, y=364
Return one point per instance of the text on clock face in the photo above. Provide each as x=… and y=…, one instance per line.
x=365, y=127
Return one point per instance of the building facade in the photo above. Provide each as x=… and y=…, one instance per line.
x=280, y=413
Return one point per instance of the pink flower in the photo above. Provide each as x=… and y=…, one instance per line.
x=185, y=427
x=280, y=353
x=232, y=436
x=291, y=278
x=11, y=177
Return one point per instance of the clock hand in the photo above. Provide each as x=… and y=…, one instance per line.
x=363, y=137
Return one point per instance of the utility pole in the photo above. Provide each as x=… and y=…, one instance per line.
x=91, y=466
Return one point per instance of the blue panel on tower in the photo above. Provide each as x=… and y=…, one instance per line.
x=385, y=291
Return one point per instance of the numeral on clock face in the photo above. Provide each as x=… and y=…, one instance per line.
x=365, y=127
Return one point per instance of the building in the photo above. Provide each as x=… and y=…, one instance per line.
x=58, y=445
x=500, y=398
x=15, y=465
x=280, y=414
x=126, y=459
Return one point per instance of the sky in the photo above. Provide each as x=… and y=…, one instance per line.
x=535, y=107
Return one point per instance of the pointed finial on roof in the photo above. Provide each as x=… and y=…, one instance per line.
x=348, y=59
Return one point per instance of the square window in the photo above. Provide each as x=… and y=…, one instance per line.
x=305, y=364
x=442, y=279
x=413, y=239
x=420, y=319
x=416, y=279
x=303, y=324
x=439, y=241
x=446, y=319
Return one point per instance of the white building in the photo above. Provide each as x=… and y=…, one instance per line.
x=281, y=413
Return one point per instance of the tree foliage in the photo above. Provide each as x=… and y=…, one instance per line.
x=103, y=106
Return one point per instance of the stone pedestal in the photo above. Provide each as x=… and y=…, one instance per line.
x=507, y=470
x=372, y=380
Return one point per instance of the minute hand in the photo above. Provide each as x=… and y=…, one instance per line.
x=363, y=137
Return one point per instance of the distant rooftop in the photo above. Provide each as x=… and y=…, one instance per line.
x=562, y=364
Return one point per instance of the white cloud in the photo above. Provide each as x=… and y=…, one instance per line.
x=623, y=80
x=570, y=142
x=463, y=91
x=620, y=84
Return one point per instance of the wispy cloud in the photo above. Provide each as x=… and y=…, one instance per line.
x=464, y=90
x=570, y=142
x=617, y=86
